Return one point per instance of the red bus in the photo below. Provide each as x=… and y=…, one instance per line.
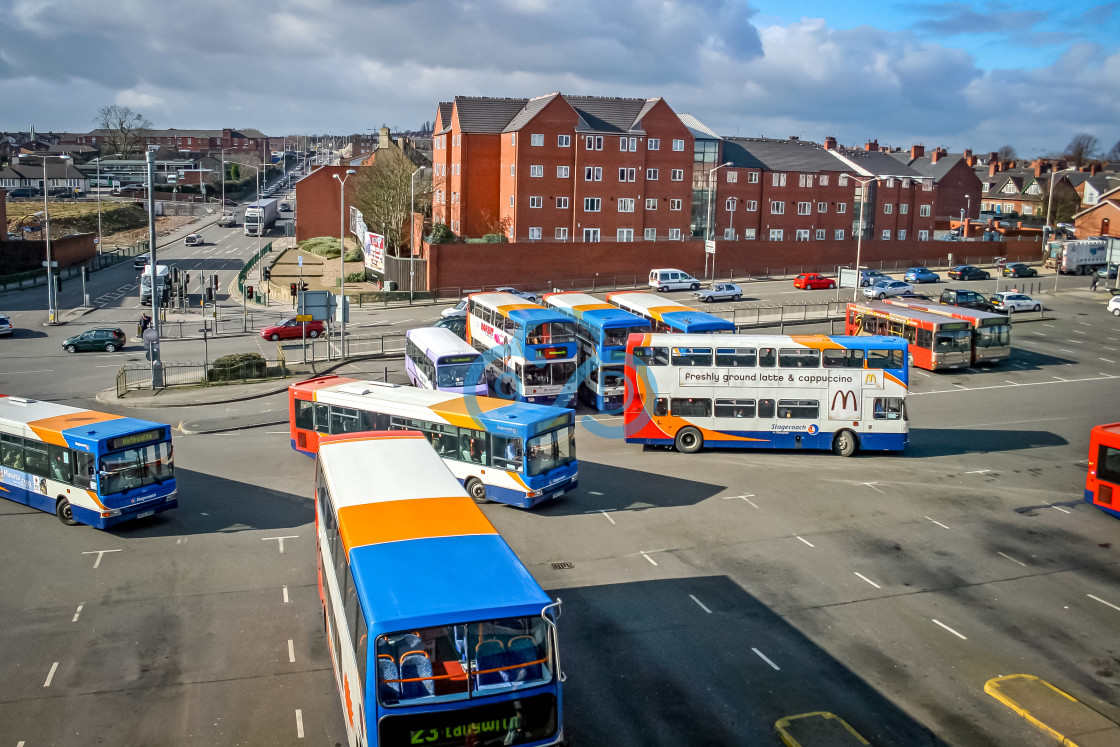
x=991, y=331
x=1102, y=484
x=936, y=341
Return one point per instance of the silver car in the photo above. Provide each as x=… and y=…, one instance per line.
x=719, y=292
x=1010, y=301
x=885, y=288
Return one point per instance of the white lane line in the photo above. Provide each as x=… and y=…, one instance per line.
x=291, y=651
x=1059, y=378
x=1099, y=377
x=870, y=485
x=1013, y=560
x=1047, y=325
x=594, y=492
x=1077, y=342
x=45, y=370
x=746, y=498
x=920, y=373
x=765, y=659
x=1065, y=350
x=98, y=553
x=958, y=635
x=865, y=578
x=1107, y=604
x=285, y=595
x=1059, y=508
x=1009, y=381
x=700, y=603
x=78, y=613
x=1106, y=347
x=1106, y=360
x=651, y=560
x=807, y=542
x=604, y=513
x=938, y=523
x=50, y=675
x=281, y=540
x=299, y=724
x=1079, y=332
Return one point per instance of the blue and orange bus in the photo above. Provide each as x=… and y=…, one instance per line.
x=669, y=316
x=437, y=358
x=1102, y=484
x=438, y=634
x=602, y=330
x=83, y=466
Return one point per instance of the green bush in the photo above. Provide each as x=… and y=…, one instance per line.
x=324, y=246
x=441, y=234
x=355, y=255
x=356, y=277
x=494, y=238
x=237, y=367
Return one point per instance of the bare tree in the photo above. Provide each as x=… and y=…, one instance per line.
x=1006, y=153
x=1114, y=154
x=1082, y=148
x=383, y=192
x=124, y=130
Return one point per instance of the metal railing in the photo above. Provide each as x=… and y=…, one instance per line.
x=186, y=374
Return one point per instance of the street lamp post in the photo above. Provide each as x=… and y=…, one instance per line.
x=709, y=233
x=52, y=299
x=98, y=161
x=224, y=178
x=342, y=257
x=859, y=236
x=411, y=230
x=1046, y=230
x=157, y=364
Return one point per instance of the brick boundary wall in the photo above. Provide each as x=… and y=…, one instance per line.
x=20, y=256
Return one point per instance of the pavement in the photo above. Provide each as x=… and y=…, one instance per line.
x=1054, y=711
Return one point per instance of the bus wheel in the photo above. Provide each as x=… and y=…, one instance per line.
x=64, y=513
x=689, y=440
x=845, y=443
x=477, y=490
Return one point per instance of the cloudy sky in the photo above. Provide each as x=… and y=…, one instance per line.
x=1030, y=74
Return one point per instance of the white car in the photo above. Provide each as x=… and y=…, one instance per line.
x=194, y=239
x=1009, y=301
x=530, y=297
x=885, y=288
x=459, y=309
x=5, y=325
x=1114, y=305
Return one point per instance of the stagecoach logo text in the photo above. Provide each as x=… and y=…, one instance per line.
x=731, y=377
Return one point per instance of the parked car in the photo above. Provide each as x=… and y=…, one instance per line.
x=23, y=192
x=921, y=275
x=1107, y=273
x=1011, y=301
x=458, y=310
x=141, y=261
x=6, y=327
x=719, y=292
x=868, y=278
x=194, y=239
x=530, y=297
x=1114, y=305
x=457, y=324
x=813, y=281
x=290, y=329
x=14, y=236
x=885, y=288
x=229, y=203
x=968, y=272
x=968, y=299
x=99, y=338
x=1019, y=270
x=670, y=279
x=130, y=188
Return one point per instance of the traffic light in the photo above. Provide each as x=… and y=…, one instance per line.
x=57, y=283
x=209, y=294
x=214, y=281
x=267, y=273
x=85, y=274
x=293, y=289
x=249, y=292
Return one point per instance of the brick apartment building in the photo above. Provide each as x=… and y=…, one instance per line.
x=202, y=142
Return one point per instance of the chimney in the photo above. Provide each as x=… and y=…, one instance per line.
x=383, y=137
x=937, y=155
x=871, y=145
x=794, y=137
x=830, y=143
x=967, y=153
x=1094, y=168
x=917, y=151
x=1037, y=166
x=993, y=168
x=992, y=157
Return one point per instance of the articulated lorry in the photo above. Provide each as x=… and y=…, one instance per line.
x=260, y=216
x=1077, y=257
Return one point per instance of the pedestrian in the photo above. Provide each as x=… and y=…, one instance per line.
x=1093, y=282
x=145, y=322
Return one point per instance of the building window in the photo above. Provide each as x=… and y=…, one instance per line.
x=748, y=234
x=777, y=208
x=536, y=170
x=562, y=203
x=591, y=204
x=650, y=234
x=594, y=142
x=626, y=205
x=513, y=138
x=889, y=183
x=561, y=172
x=886, y=234
x=593, y=173
x=564, y=141
x=775, y=234
x=591, y=234
x=627, y=175
x=804, y=180
x=1028, y=210
x=888, y=208
x=512, y=170
x=628, y=144
x=752, y=206
x=732, y=177
x=822, y=207
x=536, y=201
x=924, y=211
x=562, y=233
x=904, y=208
x=841, y=207
x=820, y=234
x=804, y=208
x=902, y=234
x=674, y=234
x=1008, y=207
x=653, y=143
x=651, y=175
x=677, y=175
x=839, y=234
x=538, y=140
x=678, y=145
x=511, y=200
x=730, y=205
x=823, y=180
x=624, y=234
x=674, y=204
x=842, y=180
x=534, y=233
x=752, y=177
x=778, y=179
x=729, y=234
x=801, y=235
x=651, y=203
x=927, y=185
x=923, y=235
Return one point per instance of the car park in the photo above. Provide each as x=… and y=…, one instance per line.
x=719, y=292
x=968, y=272
x=669, y=279
x=813, y=281
x=966, y=298
x=530, y=297
x=194, y=239
x=1019, y=270
x=6, y=327
x=457, y=324
x=458, y=310
x=921, y=275
x=885, y=288
x=870, y=277
x=290, y=329
x=141, y=261
x=1012, y=301
x=108, y=339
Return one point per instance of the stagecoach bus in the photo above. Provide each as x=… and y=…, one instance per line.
x=602, y=330
x=936, y=341
x=437, y=358
x=991, y=331
x=438, y=635
x=1102, y=485
x=669, y=316
x=85, y=467
x=767, y=391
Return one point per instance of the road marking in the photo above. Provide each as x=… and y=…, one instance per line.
x=99, y=553
x=1009, y=381
x=1099, y=377
x=871, y=485
x=285, y=595
x=1107, y=604
x=865, y=578
x=765, y=659
x=1106, y=360
x=1106, y=347
x=50, y=675
x=807, y=542
x=1078, y=342
x=651, y=560
x=281, y=540
x=291, y=651
x=1059, y=508
x=78, y=612
x=1013, y=560
x=1047, y=325
x=604, y=513
x=46, y=370
x=1059, y=378
x=920, y=373
x=299, y=724
x=1077, y=331
x=746, y=498
x=938, y=523
x=592, y=492
x=1065, y=350
x=958, y=635
x=700, y=603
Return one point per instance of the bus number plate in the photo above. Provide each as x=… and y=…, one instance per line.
x=144, y=514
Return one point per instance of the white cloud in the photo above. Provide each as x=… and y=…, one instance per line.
x=138, y=100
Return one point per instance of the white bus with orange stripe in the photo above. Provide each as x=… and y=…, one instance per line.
x=438, y=634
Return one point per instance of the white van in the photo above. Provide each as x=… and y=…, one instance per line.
x=669, y=279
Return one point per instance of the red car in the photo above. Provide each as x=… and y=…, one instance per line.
x=813, y=281
x=290, y=329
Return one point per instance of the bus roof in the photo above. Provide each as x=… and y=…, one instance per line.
x=977, y=316
x=463, y=410
x=421, y=552
x=439, y=341
x=518, y=309
x=592, y=311
x=674, y=314
x=861, y=342
x=902, y=312
x=63, y=425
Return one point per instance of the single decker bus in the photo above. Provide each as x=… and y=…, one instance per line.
x=509, y=452
x=602, y=330
x=83, y=466
x=438, y=634
x=767, y=391
x=530, y=351
x=1102, y=484
x=937, y=342
x=669, y=316
x=991, y=331
x=437, y=358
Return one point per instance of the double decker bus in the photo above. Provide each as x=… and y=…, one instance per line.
x=991, y=332
x=438, y=634
x=509, y=452
x=83, y=466
x=1102, y=484
x=437, y=358
x=936, y=341
x=767, y=391
x=530, y=350
x=602, y=330
x=669, y=316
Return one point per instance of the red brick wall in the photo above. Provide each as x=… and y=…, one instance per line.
x=317, y=201
x=1094, y=222
x=20, y=256
x=954, y=190
x=3, y=213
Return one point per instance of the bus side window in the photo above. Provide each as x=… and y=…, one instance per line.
x=888, y=408
x=660, y=407
x=61, y=468
x=766, y=408
x=652, y=356
x=11, y=452
x=692, y=407
x=767, y=358
x=305, y=415
x=925, y=339
x=878, y=358
x=322, y=417
x=85, y=474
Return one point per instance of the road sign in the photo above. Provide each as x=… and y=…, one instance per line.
x=710, y=246
x=52, y=264
x=304, y=318
x=96, y=240
x=150, y=335
x=300, y=261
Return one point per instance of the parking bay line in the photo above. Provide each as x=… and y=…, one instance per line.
x=958, y=635
x=865, y=578
x=767, y=660
x=1107, y=604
